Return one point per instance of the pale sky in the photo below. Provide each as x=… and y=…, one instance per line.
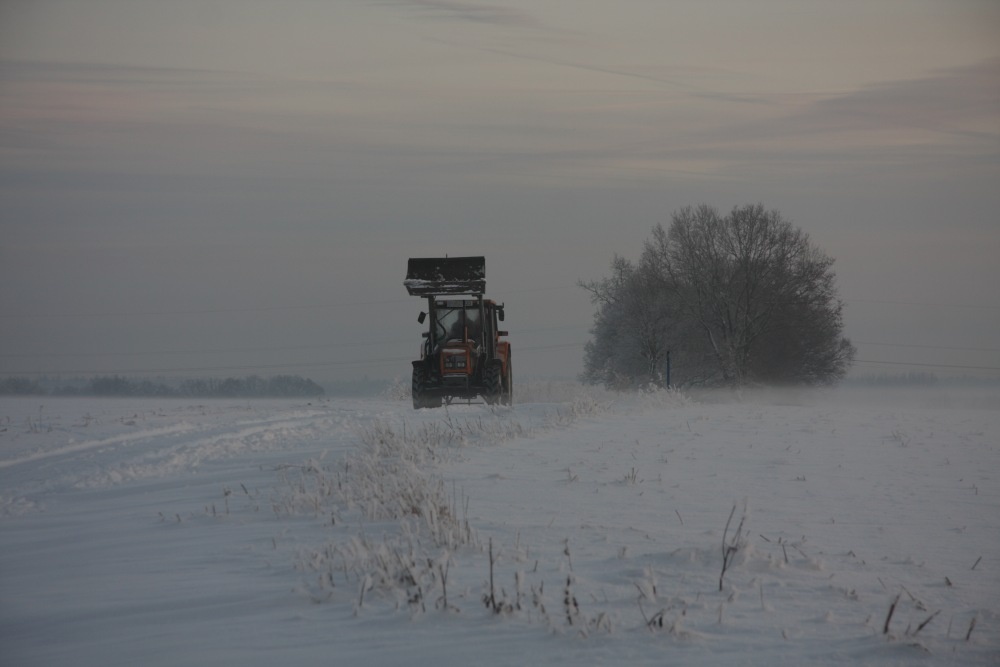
x=226, y=187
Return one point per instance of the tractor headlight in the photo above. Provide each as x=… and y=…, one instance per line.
x=455, y=361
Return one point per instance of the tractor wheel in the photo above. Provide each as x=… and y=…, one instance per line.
x=507, y=393
x=421, y=397
x=417, y=387
x=493, y=384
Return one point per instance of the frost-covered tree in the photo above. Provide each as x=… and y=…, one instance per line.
x=737, y=299
x=631, y=329
x=637, y=324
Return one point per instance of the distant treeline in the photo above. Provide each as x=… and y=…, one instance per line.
x=115, y=385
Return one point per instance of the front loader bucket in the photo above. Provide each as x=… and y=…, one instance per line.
x=430, y=276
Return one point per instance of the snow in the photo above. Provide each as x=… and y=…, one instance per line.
x=298, y=532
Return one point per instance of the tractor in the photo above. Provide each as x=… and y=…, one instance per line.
x=462, y=356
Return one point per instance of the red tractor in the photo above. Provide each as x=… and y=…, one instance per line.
x=463, y=355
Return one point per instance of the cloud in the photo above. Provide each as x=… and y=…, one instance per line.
x=460, y=10
x=957, y=104
x=38, y=71
x=928, y=127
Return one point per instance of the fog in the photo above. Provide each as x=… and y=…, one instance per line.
x=226, y=188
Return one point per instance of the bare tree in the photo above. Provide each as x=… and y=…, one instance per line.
x=632, y=328
x=746, y=297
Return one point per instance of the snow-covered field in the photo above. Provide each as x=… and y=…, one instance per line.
x=854, y=526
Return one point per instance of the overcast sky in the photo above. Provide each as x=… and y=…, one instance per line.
x=234, y=186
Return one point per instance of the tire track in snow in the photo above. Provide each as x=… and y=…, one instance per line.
x=77, y=447
x=158, y=451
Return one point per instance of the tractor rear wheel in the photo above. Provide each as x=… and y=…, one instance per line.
x=493, y=384
x=507, y=392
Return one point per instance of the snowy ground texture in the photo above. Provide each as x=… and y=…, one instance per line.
x=574, y=528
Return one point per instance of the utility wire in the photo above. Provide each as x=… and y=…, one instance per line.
x=284, y=348
x=255, y=309
x=202, y=311
x=199, y=369
x=251, y=367
x=933, y=347
x=926, y=304
x=386, y=361
x=272, y=348
x=400, y=360
x=275, y=348
x=354, y=304
x=923, y=365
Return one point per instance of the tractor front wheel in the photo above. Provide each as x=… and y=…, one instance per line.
x=418, y=389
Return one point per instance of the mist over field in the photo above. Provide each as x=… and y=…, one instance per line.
x=808, y=527
x=205, y=204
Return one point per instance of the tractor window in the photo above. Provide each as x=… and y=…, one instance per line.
x=472, y=325
x=455, y=323
x=449, y=324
